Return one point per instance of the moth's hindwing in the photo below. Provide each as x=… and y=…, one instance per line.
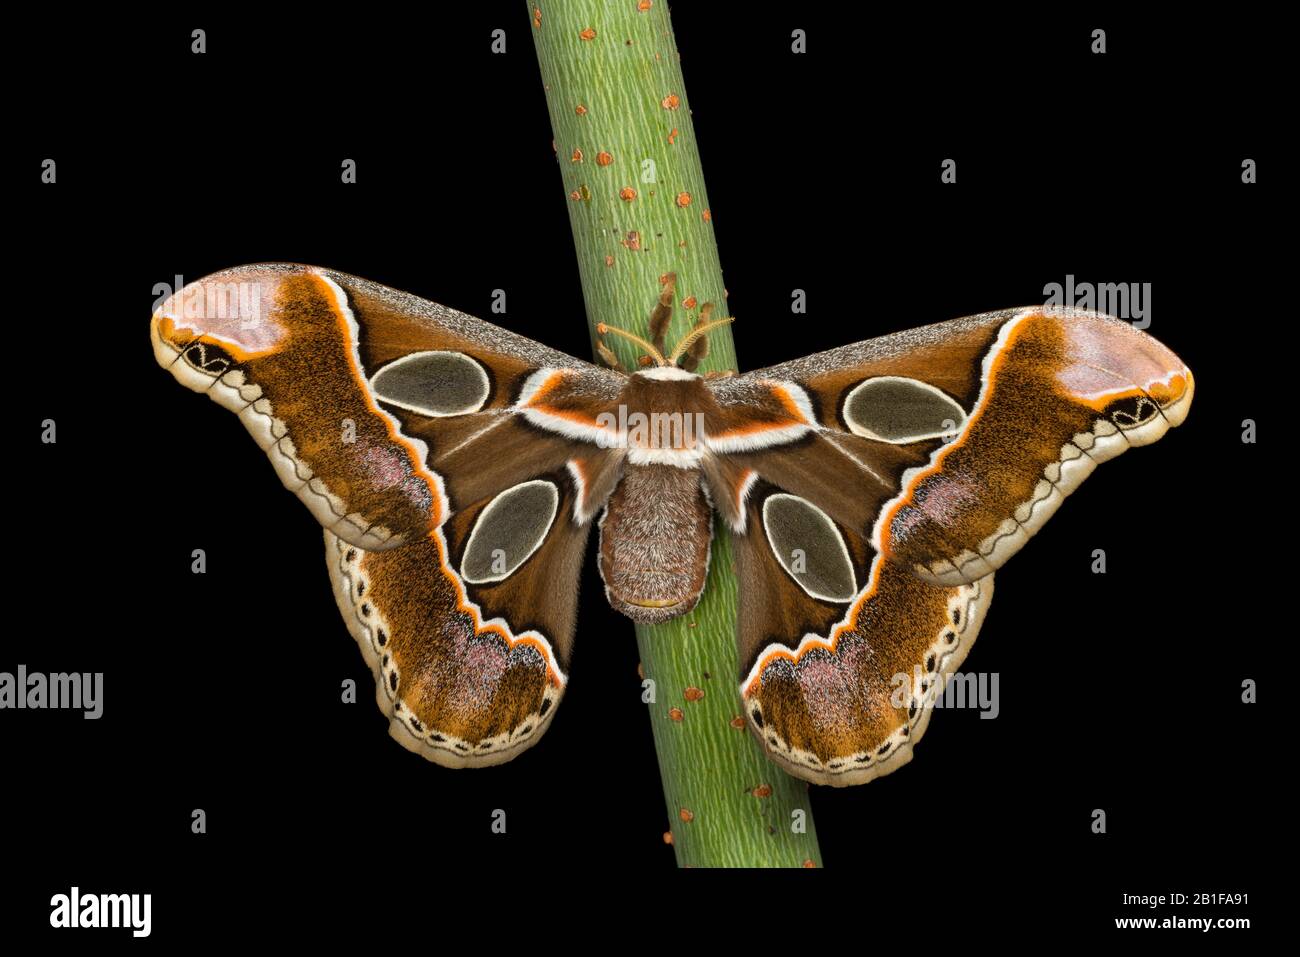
x=843, y=654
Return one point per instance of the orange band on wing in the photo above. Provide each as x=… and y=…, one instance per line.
x=849, y=623
x=390, y=424
x=464, y=605
x=936, y=465
x=787, y=401
x=168, y=328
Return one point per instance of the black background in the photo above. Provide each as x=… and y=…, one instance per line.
x=1119, y=691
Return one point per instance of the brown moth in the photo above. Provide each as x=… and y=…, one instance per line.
x=457, y=469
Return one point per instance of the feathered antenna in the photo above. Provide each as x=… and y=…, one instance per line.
x=655, y=354
x=690, y=350
x=701, y=329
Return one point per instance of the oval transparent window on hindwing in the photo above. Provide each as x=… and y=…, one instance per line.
x=509, y=529
x=433, y=383
x=809, y=547
x=899, y=410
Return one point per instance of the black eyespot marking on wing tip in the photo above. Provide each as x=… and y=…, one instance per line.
x=757, y=716
x=546, y=706
x=929, y=663
x=1132, y=411
x=392, y=680
x=950, y=637
x=207, y=358
x=383, y=637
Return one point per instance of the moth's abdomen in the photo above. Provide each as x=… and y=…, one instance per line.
x=654, y=543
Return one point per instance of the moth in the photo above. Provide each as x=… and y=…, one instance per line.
x=458, y=469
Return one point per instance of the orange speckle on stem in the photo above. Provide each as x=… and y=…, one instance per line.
x=672, y=136
x=603, y=158
x=693, y=693
x=644, y=361
x=627, y=194
x=577, y=156
x=633, y=241
x=738, y=723
x=670, y=102
x=588, y=34
x=689, y=302
x=537, y=18
x=683, y=199
x=762, y=791
x=708, y=216
x=644, y=5
x=686, y=815
x=580, y=110
x=609, y=260
x=668, y=837
x=676, y=714
x=575, y=196
x=809, y=863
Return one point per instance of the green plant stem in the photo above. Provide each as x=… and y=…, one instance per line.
x=635, y=190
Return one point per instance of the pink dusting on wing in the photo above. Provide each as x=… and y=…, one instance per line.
x=234, y=307
x=853, y=653
x=1105, y=356
x=828, y=690
x=389, y=467
x=480, y=669
x=456, y=633
x=385, y=466
x=907, y=519
x=946, y=498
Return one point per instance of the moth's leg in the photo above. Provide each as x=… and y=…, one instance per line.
x=700, y=347
x=663, y=313
x=606, y=355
